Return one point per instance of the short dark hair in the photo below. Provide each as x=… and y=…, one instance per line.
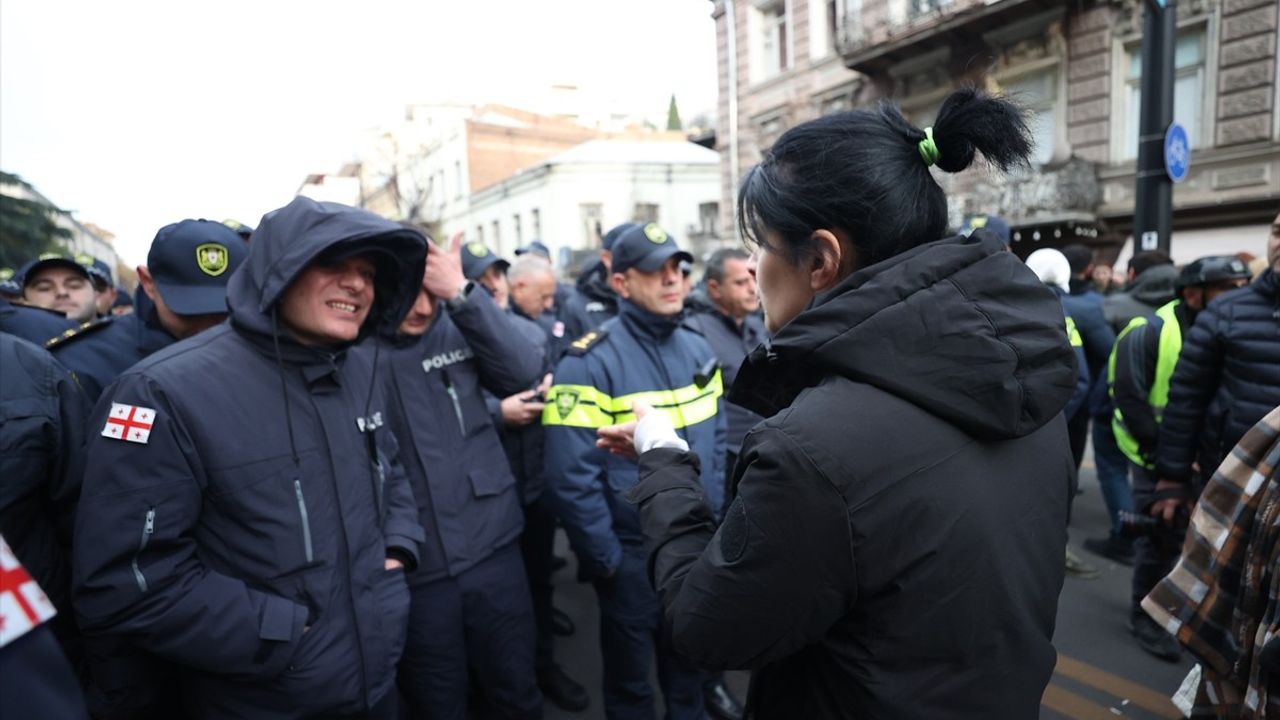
x=862, y=172
x=1080, y=258
x=1148, y=259
x=715, y=263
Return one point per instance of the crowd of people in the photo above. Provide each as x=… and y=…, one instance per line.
x=316, y=468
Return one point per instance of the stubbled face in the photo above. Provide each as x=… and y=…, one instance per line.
x=494, y=279
x=661, y=292
x=327, y=304
x=736, y=294
x=1273, y=245
x=534, y=293
x=63, y=290
x=785, y=289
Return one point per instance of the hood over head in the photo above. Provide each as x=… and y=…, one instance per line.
x=289, y=239
x=959, y=327
x=1155, y=286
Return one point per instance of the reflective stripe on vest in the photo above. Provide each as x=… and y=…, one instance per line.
x=587, y=407
x=1073, y=334
x=1169, y=348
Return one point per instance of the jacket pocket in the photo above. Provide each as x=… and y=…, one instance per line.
x=148, y=529
x=306, y=521
x=491, y=480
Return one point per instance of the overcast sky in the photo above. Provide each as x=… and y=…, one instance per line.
x=137, y=114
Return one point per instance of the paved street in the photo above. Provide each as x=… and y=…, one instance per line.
x=1101, y=672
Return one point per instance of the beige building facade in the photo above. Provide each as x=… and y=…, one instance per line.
x=1075, y=67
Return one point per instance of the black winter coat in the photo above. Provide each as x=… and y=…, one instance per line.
x=100, y=350
x=895, y=547
x=1226, y=380
x=35, y=325
x=42, y=416
x=241, y=530
x=591, y=303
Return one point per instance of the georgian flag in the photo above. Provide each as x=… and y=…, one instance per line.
x=131, y=423
x=23, y=605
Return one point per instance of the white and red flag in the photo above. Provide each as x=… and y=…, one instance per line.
x=23, y=604
x=129, y=422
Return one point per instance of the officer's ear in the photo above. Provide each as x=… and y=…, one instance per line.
x=833, y=258
x=618, y=282
x=147, y=282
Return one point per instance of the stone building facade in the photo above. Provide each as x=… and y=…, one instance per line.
x=1075, y=67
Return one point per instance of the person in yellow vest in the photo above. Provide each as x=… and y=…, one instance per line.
x=1139, y=371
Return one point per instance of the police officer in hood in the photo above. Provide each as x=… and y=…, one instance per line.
x=895, y=547
x=643, y=354
x=244, y=515
x=182, y=290
x=470, y=602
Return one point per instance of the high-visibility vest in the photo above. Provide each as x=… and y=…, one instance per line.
x=1073, y=334
x=1168, y=349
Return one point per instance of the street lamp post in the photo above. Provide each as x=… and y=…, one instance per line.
x=1153, y=208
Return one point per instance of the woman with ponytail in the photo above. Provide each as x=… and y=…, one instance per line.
x=894, y=549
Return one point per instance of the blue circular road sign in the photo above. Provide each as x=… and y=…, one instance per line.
x=1177, y=153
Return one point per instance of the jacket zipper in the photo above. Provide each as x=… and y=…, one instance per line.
x=453, y=395
x=148, y=528
x=306, y=523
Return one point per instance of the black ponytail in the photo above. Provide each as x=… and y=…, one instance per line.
x=863, y=172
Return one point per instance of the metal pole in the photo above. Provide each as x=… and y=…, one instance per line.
x=1153, y=198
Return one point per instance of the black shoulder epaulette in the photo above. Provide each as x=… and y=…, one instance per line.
x=583, y=345
x=85, y=328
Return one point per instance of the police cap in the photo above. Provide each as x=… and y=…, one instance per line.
x=1212, y=269
x=476, y=258
x=646, y=248
x=191, y=262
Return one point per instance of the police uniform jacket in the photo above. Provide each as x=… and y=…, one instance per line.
x=523, y=444
x=1227, y=378
x=99, y=350
x=1137, y=356
x=731, y=343
x=42, y=415
x=242, y=487
x=636, y=356
x=35, y=325
x=895, y=545
x=467, y=499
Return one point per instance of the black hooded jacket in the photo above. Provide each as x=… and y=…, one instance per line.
x=895, y=547
x=239, y=530
x=592, y=302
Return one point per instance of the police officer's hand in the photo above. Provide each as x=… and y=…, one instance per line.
x=521, y=409
x=443, y=277
x=621, y=439
x=1166, y=508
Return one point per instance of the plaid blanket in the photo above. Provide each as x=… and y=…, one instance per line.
x=1222, y=600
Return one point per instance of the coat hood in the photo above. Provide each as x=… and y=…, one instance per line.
x=291, y=238
x=959, y=327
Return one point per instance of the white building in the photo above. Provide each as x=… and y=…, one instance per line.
x=568, y=200
x=82, y=240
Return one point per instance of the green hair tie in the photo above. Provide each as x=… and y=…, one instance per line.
x=928, y=150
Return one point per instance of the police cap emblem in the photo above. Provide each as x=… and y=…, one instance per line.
x=211, y=258
x=477, y=249
x=655, y=234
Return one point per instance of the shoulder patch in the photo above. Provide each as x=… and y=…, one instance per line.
x=583, y=345
x=84, y=329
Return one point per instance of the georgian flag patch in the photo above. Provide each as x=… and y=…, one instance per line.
x=131, y=423
x=23, y=605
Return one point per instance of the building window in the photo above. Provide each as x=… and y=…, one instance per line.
x=480, y=233
x=592, y=215
x=1188, y=90
x=917, y=9
x=709, y=219
x=773, y=40
x=497, y=237
x=646, y=213
x=457, y=179
x=1037, y=93
x=515, y=220
x=824, y=28
x=536, y=216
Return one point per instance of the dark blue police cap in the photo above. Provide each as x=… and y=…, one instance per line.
x=54, y=259
x=9, y=282
x=476, y=258
x=191, y=262
x=992, y=223
x=537, y=248
x=645, y=248
x=612, y=236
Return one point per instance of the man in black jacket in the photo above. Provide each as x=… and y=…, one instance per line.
x=244, y=516
x=593, y=300
x=1228, y=378
x=470, y=601
x=1149, y=285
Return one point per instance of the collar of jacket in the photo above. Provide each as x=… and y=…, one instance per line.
x=315, y=363
x=1269, y=284
x=644, y=323
x=595, y=285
